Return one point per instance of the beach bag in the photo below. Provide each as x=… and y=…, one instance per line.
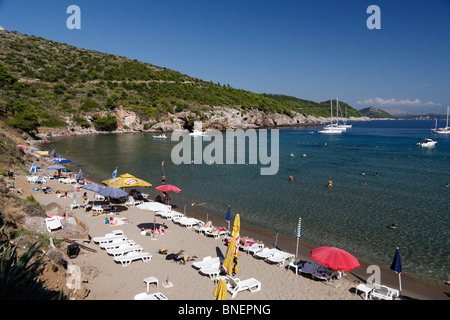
x=73, y=250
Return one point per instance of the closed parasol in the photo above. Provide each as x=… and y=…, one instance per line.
x=220, y=292
x=335, y=258
x=233, y=249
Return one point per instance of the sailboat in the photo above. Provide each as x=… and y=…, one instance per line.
x=332, y=127
x=445, y=130
x=345, y=125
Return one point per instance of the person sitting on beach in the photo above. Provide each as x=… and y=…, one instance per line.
x=85, y=201
x=208, y=224
x=158, y=199
x=166, y=197
x=159, y=231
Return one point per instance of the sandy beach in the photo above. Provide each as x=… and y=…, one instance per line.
x=112, y=281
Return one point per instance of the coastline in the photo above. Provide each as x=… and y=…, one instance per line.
x=412, y=288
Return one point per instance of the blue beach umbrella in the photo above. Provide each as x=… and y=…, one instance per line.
x=53, y=153
x=112, y=192
x=114, y=174
x=61, y=160
x=92, y=187
x=79, y=176
x=33, y=168
x=396, y=266
x=55, y=167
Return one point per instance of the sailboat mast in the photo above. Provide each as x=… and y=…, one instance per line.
x=447, y=119
x=337, y=110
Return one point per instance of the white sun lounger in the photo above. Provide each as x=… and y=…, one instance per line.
x=216, y=235
x=211, y=271
x=109, y=235
x=206, y=262
x=256, y=247
x=280, y=257
x=123, y=249
x=187, y=222
x=115, y=243
x=266, y=253
x=309, y=268
x=126, y=259
x=169, y=215
x=383, y=292
x=152, y=296
x=103, y=240
x=324, y=273
x=201, y=229
x=235, y=285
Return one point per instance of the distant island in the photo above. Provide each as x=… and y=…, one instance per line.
x=375, y=113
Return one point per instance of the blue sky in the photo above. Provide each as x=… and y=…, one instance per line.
x=313, y=50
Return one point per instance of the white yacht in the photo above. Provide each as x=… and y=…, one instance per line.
x=445, y=130
x=198, y=133
x=161, y=136
x=426, y=143
x=332, y=128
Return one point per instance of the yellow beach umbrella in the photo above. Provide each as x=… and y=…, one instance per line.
x=126, y=180
x=221, y=290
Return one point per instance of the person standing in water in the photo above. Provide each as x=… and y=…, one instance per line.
x=330, y=183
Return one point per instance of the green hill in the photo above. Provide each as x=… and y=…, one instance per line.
x=44, y=83
x=375, y=113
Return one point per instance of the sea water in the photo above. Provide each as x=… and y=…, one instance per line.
x=403, y=184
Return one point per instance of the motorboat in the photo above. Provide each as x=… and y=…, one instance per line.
x=161, y=136
x=198, y=133
x=445, y=130
x=426, y=143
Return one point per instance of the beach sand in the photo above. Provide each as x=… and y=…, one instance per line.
x=112, y=281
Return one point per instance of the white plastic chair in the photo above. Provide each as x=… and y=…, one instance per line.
x=53, y=223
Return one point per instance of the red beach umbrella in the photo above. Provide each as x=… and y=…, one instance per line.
x=335, y=258
x=168, y=187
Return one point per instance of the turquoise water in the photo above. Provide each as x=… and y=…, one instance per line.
x=409, y=189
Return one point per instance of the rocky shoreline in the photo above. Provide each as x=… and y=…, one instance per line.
x=220, y=118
